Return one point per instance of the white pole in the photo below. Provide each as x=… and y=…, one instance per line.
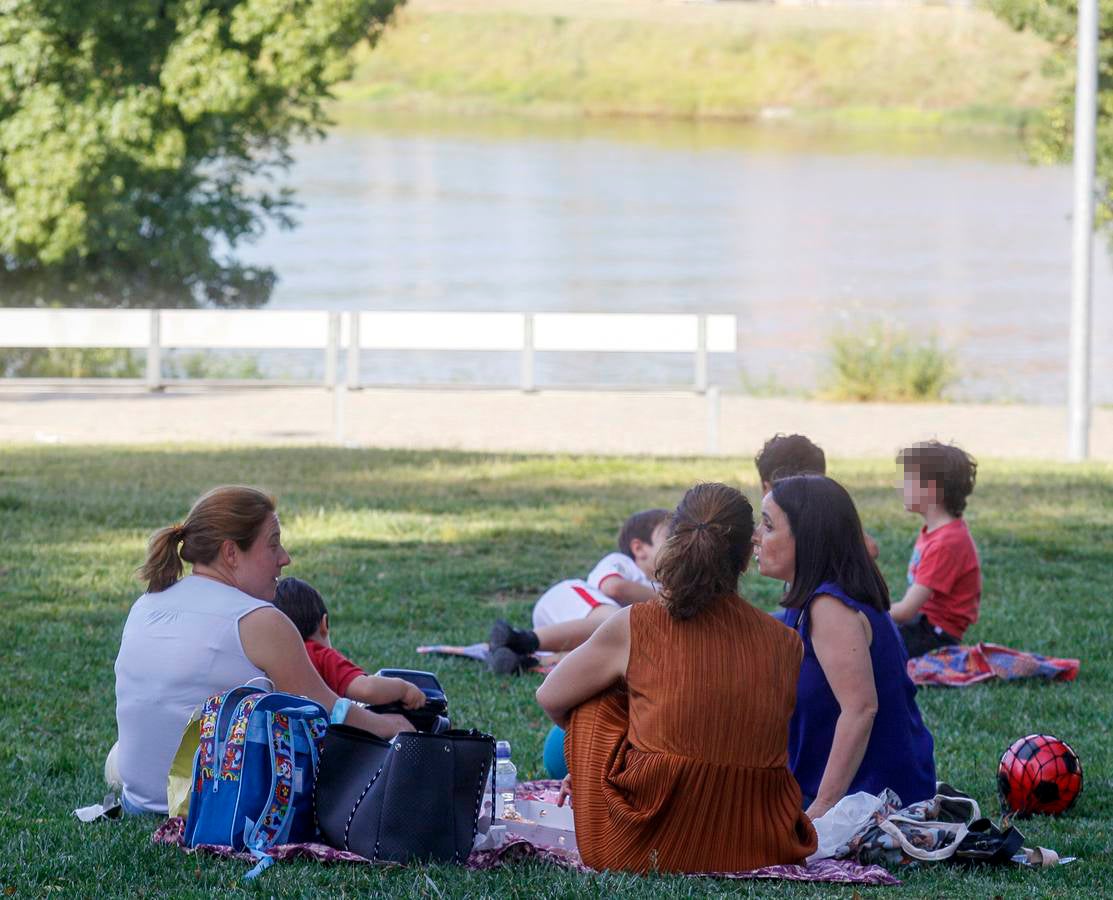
x=353, y=350
x=701, y=354
x=332, y=350
x=154, y=352
x=712, y=421
x=339, y=395
x=529, y=385
x=1085, y=121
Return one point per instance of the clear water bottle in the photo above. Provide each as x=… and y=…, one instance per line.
x=506, y=781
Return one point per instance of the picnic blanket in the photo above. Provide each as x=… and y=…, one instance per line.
x=479, y=653
x=172, y=832
x=960, y=665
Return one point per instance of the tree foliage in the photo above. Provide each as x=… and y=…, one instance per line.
x=139, y=140
x=1057, y=22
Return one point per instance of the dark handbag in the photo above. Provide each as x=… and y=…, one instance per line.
x=417, y=798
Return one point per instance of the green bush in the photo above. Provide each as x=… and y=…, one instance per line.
x=109, y=363
x=208, y=365
x=59, y=362
x=884, y=362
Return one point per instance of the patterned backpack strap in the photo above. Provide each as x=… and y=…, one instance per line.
x=272, y=826
x=226, y=707
x=206, y=751
x=232, y=758
x=314, y=728
x=318, y=728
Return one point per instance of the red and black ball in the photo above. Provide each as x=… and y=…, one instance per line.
x=1039, y=775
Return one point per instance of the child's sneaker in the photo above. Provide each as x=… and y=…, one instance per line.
x=504, y=661
x=521, y=640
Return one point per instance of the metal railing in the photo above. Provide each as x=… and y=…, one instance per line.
x=527, y=334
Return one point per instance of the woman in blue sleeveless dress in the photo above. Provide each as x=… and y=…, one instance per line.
x=856, y=726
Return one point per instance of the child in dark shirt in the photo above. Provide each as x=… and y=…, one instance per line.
x=786, y=455
x=303, y=606
x=944, y=573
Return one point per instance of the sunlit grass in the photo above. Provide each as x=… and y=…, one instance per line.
x=415, y=547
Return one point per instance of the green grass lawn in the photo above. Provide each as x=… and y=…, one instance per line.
x=412, y=547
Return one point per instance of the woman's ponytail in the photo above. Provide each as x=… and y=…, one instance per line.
x=231, y=512
x=708, y=548
x=163, y=566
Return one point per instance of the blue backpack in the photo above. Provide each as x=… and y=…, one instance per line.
x=253, y=772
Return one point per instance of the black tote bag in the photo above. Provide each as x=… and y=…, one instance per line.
x=416, y=799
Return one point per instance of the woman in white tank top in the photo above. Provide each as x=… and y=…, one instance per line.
x=189, y=638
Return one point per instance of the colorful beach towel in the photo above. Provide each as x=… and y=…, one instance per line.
x=831, y=871
x=959, y=666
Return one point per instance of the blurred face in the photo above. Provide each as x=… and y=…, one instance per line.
x=774, y=544
x=917, y=496
x=256, y=570
x=645, y=555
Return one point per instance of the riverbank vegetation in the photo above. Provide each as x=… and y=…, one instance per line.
x=418, y=547
x=907, y=67
x=886, y=363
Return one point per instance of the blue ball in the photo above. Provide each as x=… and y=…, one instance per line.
x=553, y=754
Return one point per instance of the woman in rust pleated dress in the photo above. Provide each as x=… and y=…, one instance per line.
x=677, y=714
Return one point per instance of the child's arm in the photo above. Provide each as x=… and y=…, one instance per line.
x=626, y=592
x=915, y=597
x=375, y=690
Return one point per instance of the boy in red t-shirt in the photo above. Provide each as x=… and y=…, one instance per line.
x=944, y=573
x=303, y=606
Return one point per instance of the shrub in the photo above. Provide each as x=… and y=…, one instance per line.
x=62, y=362
x=209, y=365
x=883, y=362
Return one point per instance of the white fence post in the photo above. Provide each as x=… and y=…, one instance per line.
x=321, y=331
x=154, y=352
x=701, y=354
x=713, y=421
x=353, y=351
x=339, y=396
x=528, y=383
x=332, y=350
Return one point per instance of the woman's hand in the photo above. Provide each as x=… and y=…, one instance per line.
x=565, y=791
x=816, y=810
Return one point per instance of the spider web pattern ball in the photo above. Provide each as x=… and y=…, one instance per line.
x=1039, y=774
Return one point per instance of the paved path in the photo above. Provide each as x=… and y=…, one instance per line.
x=556, y=421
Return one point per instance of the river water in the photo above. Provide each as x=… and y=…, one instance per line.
x=798, y=233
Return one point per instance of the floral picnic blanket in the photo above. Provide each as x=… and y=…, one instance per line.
x=961, y=665
x=832, y=871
